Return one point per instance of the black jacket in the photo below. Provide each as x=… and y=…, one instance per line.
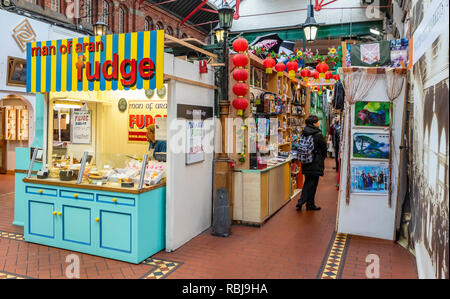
x=317, y=166
x=339, y=95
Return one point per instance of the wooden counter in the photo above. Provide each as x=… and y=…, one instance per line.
x=258, y=194
x=106, y=187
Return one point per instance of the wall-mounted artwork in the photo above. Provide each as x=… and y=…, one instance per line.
x=369, y=177
x=372, y=114
x=370, y=146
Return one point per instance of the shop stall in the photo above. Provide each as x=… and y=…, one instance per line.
x=370, y=193
x=265, y=175
x=106, y=180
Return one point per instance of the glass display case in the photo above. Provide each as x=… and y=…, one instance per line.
x=103, y=170
x=22, y=124
x=11, y=123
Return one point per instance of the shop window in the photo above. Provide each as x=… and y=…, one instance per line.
x=148, y=26
x=121, y=16
x=88, y=11
x=105, y=15
x=123, y=19
x=169, y=31
x=55, y=5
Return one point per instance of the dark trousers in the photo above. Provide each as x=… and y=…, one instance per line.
x=309, y=190
x=336, y=156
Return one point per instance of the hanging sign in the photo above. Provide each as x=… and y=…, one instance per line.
x=142, y=114
x=81, y=127
x=109, y=62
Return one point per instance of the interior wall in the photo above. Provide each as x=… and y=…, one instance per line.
x=11, y=145
x=370, y=215
x=189, y=187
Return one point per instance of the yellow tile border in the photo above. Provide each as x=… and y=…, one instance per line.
x=334, y=260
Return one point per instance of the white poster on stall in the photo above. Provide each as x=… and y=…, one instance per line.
x=161, y=128
x=194, y=140
x=435, y=20
x=81, y=127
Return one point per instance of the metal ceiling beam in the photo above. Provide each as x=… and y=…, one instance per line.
x=193, y=12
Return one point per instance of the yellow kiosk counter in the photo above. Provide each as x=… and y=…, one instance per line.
x=258, y=194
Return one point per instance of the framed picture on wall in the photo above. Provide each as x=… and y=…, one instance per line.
x=370, y=146
x=17, y=72
x=369, y=177
x=372, y=114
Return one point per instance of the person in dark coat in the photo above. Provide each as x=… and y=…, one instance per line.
x=315, y=169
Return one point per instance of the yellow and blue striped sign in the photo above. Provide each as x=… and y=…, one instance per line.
x=111, y=62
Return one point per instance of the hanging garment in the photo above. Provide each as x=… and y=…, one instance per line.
x=339, y=95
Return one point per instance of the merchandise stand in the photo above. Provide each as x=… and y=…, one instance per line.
x=106, y=218
x=369, y=194
x=260, y=189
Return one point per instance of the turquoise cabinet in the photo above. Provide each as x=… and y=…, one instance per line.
x=123, y=226
x=116, y=231
x=76, y=224
x=41, y=220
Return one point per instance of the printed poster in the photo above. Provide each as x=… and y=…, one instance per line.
x=141, y=114
x=369, y=177
x=81, y=127
x=370, y=146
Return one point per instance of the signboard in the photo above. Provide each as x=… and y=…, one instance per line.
x=109, y=62
x=81, y=127
x=194, y=115
x=141, y=114
x=435, y=20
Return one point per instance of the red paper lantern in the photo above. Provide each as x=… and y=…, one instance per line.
x=328, y=75
x=315, y=75
x=240, y=89
x=240, y=45
x=279, y=67
x=305, y=73
x=269, y=63
x=336, y=77
x=240, y=74
x=240, y=104
x=292, y=67
x=240, y=60
x=322, y=67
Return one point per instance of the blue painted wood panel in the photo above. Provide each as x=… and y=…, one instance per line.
x=76, y=224
x=115, y=231
x=41, y=221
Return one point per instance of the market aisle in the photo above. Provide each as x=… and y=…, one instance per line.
x=290, y=245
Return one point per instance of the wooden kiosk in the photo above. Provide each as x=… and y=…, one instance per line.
x=259, y=190
x=105, y=217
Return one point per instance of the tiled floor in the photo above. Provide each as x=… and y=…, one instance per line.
x=290, y=245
